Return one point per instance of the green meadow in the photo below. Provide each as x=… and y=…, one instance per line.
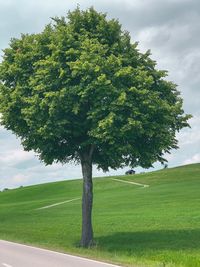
x=156, y=226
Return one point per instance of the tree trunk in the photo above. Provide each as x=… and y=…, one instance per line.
x=87, y=200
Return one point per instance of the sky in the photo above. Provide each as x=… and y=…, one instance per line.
x=170, y=29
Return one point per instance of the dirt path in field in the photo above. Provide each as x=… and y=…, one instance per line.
x=56, y=204
x=74, y=199
x=128, y=182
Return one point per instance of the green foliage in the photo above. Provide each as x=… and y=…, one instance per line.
x=133, y=226
x=81, y=83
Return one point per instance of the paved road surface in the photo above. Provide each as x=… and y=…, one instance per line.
x=16, y=255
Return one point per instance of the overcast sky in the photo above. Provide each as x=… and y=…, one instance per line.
x=170, y=28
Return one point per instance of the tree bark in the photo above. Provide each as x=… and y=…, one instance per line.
x=87, y=201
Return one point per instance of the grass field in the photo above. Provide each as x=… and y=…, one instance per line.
x=154, y=226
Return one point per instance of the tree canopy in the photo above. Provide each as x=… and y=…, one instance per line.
x=81, y=82
x=81, y=87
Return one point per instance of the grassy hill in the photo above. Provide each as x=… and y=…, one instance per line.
x=156, y=226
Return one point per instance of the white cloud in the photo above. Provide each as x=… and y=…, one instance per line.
x=194, y=159
x=191, y=136
x=19, y=178
x=13, y=157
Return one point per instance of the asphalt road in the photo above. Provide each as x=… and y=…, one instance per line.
x=17, y=255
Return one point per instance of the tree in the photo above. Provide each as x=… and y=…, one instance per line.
x=81, y=91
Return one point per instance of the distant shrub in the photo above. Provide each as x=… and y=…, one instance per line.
x=5, y=189
x=165, y=166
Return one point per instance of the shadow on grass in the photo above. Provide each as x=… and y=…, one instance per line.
x=141, y=242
